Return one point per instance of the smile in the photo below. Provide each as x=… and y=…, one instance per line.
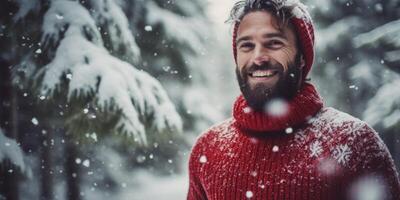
x=263, y=73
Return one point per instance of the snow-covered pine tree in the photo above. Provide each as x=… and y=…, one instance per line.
x=74, y=60
x=357, y=42
x=177, y=38
x=12, y=167
x=99, y=81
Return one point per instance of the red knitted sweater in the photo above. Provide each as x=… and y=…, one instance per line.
x=321, y=153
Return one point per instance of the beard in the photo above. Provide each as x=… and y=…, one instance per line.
x=259, y=95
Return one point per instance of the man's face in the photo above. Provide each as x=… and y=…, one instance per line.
x=268, y=62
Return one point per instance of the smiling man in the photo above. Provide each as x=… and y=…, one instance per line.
x=281, y=142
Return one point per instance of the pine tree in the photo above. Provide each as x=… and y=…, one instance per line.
x=74, y=61
x=176, y=37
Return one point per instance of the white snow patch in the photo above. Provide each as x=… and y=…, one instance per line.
x=382, y=107
x=9, y=149
x=114, y=21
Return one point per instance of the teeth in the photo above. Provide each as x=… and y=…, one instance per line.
x=263, y=73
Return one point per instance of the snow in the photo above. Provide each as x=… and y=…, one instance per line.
x=9, y=149
x=368, y=188
x=203, y=159
x=325, y=130
x=392, y=56
x=24, y=7
x=328, y=36
x=148, y=28
x=365, y=74
x=168, y=187
x=277, y=107
x=173, y=25
x=299, y=10
x=289, y=130
x=383, y=108
x=93, y=70
x=108, y=14
x=86, y=163
x=387, y=34
x=275, y=148
x=71, y=14
x=35, y=121
x=249, y=194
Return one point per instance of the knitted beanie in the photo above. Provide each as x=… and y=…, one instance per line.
x=303, y=26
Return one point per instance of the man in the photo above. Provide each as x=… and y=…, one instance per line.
x=282, y=143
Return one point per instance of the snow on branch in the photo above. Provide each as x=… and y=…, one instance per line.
x=9, y=149
x=90, y=71
x=24, y=7
x=111, y=18
x=387, y=33
x=384, y=107
x=68, y=18
x=328, y=37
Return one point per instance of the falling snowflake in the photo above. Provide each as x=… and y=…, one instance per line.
x=203, y=159
x=249, y=194
x=275, y=148
x=342, y=154
x=316, y=149
x=289, y=130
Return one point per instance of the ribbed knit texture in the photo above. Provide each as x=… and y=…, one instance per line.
x=324, y=158
x=302, y=107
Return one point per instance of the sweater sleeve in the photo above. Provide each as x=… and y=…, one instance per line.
x=196, y=190
x=376, y=172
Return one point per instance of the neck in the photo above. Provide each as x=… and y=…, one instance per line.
x=305, y=104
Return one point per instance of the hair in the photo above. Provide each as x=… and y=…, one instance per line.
x=275, y=7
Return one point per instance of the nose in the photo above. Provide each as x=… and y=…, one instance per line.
x=260, y=57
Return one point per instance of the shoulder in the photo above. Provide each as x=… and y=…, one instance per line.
x=339, y=124
x=347, y=135
x=208, y=143
x=215, y=133
x=334, y=117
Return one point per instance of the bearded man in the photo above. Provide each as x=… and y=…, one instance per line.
x=281, y=142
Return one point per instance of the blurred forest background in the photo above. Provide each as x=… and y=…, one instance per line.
x=102, y=99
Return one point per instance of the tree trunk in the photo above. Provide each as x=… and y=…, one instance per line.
x=9, y=174
x=72, y=170
x=46, y=187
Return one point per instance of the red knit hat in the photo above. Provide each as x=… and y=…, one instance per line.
x=303, y=26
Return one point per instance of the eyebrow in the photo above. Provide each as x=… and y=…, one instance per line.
x=267, y=35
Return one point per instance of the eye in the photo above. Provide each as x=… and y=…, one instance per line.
x=274, y=44
x=246, y=46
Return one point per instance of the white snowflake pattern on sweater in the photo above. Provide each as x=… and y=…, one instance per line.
x=316, y=149
x=342, y=153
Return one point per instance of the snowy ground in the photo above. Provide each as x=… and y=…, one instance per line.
x=154, y=187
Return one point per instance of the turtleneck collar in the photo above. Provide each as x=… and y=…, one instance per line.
x=304, y=105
